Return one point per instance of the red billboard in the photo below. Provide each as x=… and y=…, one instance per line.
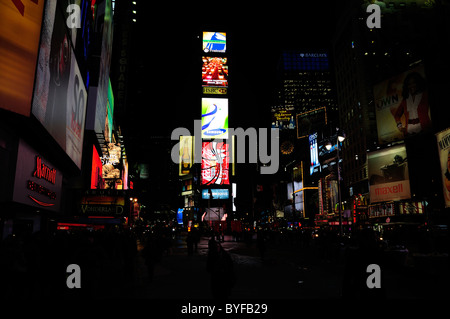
x=215, y=163
x=97, y=171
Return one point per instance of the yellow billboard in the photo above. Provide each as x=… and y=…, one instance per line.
x=186, y=155
x=20, y=25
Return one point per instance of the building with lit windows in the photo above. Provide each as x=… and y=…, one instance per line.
x=305, y=80
x=371, y=66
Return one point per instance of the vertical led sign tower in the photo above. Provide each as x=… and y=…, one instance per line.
x=216, y=147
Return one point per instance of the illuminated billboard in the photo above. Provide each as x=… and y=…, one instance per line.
x=215, y=193
x=214, y=118
x=214, y=42
x=214, y=72
x=388, y=174
x=214, y=214
x=60, y=95
x=37, y=182
x=112, y=162
x=310, y=121
x=215, y=163
x=401, y=106
x=186, y=155
x=443, y=140
x=283, y=118
x=298, y=195
x=314, y=154
x=102, y=204
x=97, y=170
x=20, y=25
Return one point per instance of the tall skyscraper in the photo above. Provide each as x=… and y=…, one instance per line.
x=306, y=80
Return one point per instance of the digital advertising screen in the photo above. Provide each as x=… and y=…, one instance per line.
x=283, y=118
x=388, y=174
x=214, y=214
x=215, y=163
x=215, y=193
x=20, y=27
x=214, y=118
x=186, y=155
x=180, y=216
x=60, y=95
x=214, y=72
x=97, y=170
x=314, y=154
x=214, y=42
x=298, y=195
x=401, y=106
x=311, y=121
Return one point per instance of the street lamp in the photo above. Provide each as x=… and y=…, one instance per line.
x=340, y=139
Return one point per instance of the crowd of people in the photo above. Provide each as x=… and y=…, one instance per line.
x=35, y=265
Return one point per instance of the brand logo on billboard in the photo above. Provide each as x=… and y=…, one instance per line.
x=102, y=209
x=313, y=55
x=44, y=172
x=389, y=190
x=212, y=90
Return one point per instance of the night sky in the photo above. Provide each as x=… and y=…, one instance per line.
x=169, y=84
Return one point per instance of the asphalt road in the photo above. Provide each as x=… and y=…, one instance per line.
x=287, y=272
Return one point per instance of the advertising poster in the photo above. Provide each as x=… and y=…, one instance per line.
x=311, y=121
x=97, y=170
x=103, y=92
x=215, y=193
x=37, y=181
x=443, y=140
x=214, y=118
x=283, y=118
x=401, y=106
x=314, y=154
x=214, y=214
x=215, y=163
x=186, y=155
x=75, y=114
x=60, y=95
x=298, y=195
x=388, y=175
x=214, y=72
x=20, y=25
x=214, y=42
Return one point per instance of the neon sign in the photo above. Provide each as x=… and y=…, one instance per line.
x=44, y=172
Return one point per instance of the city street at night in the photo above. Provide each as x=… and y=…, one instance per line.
x=224, y=160
x=288, y=271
